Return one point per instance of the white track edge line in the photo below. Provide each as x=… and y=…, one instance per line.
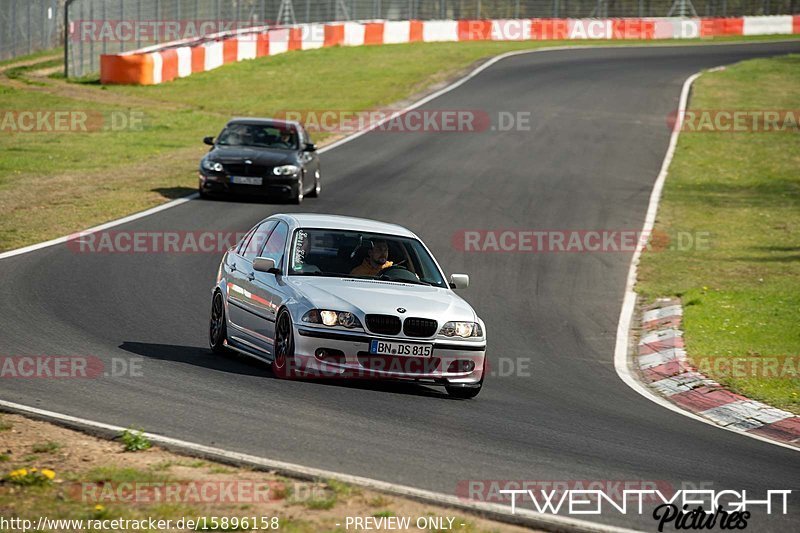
x=621, y=361
x=497, y=512
x=480, y=68
x=110, y=224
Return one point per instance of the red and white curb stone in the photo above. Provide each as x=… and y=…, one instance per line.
x=664, y=367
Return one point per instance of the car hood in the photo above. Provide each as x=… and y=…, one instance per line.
x=259, y=156
x=362, y=296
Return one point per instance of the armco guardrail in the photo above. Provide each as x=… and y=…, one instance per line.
x=169, y=61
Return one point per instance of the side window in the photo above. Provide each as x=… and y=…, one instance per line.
x=276, y=244
x=243, y=243
x=251, y=248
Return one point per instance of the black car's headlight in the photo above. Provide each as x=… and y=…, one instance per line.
x=215, y=166
x=285, y=170
x=332, y=318
x=461, y=329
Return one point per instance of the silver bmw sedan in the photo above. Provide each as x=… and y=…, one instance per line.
x=339, y=297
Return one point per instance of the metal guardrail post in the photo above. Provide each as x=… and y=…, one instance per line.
x=45, y=24
x=121, y=17
x=105, y=41
x=66, y=37
x=30, y=35
x=14, y=28
x=91, y=41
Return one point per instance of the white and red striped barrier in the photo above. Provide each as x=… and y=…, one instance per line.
x=166, y=62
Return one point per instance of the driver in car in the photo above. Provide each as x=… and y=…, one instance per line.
x=377, y=260
x=287, y=139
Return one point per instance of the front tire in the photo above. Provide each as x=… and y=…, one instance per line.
x=283, y=364
x=218, y=327
x=317, y=187
x=298, y=198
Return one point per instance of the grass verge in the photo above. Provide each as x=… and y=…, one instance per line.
x=143, y=146
x=741, y=287
x=89, y=478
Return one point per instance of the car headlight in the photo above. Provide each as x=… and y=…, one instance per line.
x=285, y=170
x=461, y=329
x=332, y=318
x=207, y=164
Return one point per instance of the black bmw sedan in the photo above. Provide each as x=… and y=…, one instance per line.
x=261, y=157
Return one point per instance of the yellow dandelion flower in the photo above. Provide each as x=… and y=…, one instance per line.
x=49, y=474
x=99, y=508
x=21, y=472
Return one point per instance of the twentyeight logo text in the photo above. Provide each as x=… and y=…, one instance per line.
x=595, y=502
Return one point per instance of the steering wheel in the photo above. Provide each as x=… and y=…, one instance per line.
x=391, y=273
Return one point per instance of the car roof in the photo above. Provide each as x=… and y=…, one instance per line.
x=263, y=121
x=322, y=221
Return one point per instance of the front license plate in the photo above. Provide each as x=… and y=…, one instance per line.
x=245, y=180
x=400, y=348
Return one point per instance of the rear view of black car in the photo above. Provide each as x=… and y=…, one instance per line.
x=261, y=157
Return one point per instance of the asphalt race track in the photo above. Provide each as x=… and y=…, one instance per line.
x=598, y=137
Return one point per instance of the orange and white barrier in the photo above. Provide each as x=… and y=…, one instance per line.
x=166, y=62
x=443, y=30
x=354, y=34
x=769, y=25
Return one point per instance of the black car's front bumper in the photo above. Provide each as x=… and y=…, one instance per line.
x=272, y=186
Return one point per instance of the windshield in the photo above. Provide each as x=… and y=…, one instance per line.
x=350, y=254
x=263, y=136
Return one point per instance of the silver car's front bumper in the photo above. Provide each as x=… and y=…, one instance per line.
x=336, y=353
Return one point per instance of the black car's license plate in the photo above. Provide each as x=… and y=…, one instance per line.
x=246, y=180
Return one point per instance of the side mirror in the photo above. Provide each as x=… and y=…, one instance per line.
x=311, y=147
x=459, y=281
x=265, y=264
x=208, y=140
